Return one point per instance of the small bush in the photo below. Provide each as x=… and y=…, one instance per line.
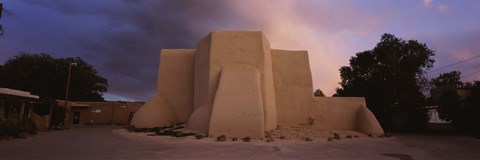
x=29, y=126
x=11, y=128
x=17, y=129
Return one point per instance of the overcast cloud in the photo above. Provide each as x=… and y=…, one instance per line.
x=123, y=38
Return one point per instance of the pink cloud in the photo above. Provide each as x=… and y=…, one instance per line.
x=427, y=3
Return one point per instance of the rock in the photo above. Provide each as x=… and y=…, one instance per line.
x=246, y=139
x=336, y=136
x=199, y=136
x=380, y=136
x=234, y=139
x=370, y=135
x=330, y=139
x=222, y=138
x=349, y=136
x=282, y=137
x=131, y=128
x=276, y=148
x=140, y=129
x=308, y=139
x=179, y=134
x=388, y=134
x=356, y=136
x=270, y=139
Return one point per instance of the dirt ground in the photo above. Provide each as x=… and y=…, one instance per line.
x=111, y=142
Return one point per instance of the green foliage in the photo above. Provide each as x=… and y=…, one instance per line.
x=29, y=126
x=390, y=77
x=447, y=79
x=58, y=116
x=11, y=127
x=468, y=118
x=16, y=128
x=318, y=93
x=449, y=105
x=46, y=76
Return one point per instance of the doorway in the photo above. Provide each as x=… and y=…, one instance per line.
x=76, y=117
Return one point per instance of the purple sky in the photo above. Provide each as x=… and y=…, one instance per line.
x=123, y=38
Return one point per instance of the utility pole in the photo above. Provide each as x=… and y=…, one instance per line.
x=68, y=90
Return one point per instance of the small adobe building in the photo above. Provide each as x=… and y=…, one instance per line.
x=234, y=84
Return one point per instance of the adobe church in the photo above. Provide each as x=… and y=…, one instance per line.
x=234, y=84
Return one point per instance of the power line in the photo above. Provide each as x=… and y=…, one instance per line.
x=470, y=74
x=450, y=65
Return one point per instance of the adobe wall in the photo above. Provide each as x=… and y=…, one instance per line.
x=234, y=116
x=108, y=112
x=293, y=85
x=173, y=101
x=335, y=113
x=207, y=87
x=296, y=104
x=220, y=48
x=175, y=80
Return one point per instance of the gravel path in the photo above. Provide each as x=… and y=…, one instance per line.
x=110, y=142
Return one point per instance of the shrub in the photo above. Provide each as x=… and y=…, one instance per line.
x=11, y=128
x=17, y=129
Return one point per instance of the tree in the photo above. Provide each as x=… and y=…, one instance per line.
x=46, y=76
x=389, y=77
x=318, y=93
x=468, y=117
x=449, y=105
x=447, y=79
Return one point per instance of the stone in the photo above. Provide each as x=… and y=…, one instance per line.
x=270, y=139
x=356, y=136
x=199, y=136
x=246, y=139
x=336, y=136
x=330, y=139
x=349, y=136
x=179, y=134
x=308, y=139
x=276, y=148
x=222, y=138
x=234, y=139
x=388, y=134
x=370, y=134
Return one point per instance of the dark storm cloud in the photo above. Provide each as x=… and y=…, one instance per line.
x=123, y=38
x=126, y=47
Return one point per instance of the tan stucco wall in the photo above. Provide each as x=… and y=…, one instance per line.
x=233, y=116
x=220, y=48
x=109, y=112
x=296, y=104
x=156, y=112
x=293, y=85
x=173, y=101
x=42, y=122
x=175, y=80
x=221, y=68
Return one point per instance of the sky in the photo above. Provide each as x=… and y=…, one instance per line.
x=122, y=39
